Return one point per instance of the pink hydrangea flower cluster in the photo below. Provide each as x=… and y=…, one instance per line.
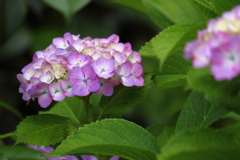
x=218, y=46
x=71, y=66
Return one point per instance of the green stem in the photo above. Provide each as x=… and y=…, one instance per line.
x=7, y=135
x=88, y=108
x=100, y=114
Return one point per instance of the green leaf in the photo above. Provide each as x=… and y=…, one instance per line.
x=205, y=3
x=42, y=130
x=208, y=144
x=165, y=13
x=224, y=5
x=67, y=7
x=135, y=4
x=20, y=153
x=174, y=72
x=11, y=109
x=224, y=93
x=3, y=157
x=124, y=97
x=198, y=113
x=166, y=134
x=70, y=107
x=156, y=129
x=170, y=40
x=110, y=137
x=204, y=9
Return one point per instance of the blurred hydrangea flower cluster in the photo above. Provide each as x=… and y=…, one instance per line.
x=218, y=46
x=67, y=157
x=71, y=66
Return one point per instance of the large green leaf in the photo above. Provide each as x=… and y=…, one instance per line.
x=20, y=153
x=124, y=97
x=42, y=130
x=205, y=3
x=11, y=109
x=110, y=137
x=209, y=144
x=224, y=5
x=225, y=93
x=71, y=107
x=67, y=7
x=174, y=72
x=165, y=13
x=198, y=113
x=170, y=40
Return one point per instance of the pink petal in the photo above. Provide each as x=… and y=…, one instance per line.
x=127, y=81
x=137, y=70
x=93, y=85
x=80, y=89
x=56, y=91
x=138, y=81
x=44, y=100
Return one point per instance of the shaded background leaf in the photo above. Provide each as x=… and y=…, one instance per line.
x=208, y=144
x=198, y=113
x=67, y=7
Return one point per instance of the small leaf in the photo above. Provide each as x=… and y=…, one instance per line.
x=11, y=109
x=208, y=144
x=171, y=40
x=198, y=113
x=42, y=130
x=20, y=153
x=67, y=7
x=163, y=138
x=174, y=72
x=110, y=137
x=124, y=97
x=166, y=13
x=70, y=107
x=224, y=5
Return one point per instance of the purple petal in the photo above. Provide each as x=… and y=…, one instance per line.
x=80, y=89
x=136, y=70
x=84, y=157
x=56, y=91
x=88, y=72
x=93, y=85
x=138, y=81
x=127, y=81
x=75, y=75
x=44, y=100
x=114, y=158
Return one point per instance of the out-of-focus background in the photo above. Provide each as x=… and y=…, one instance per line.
x=27, y=26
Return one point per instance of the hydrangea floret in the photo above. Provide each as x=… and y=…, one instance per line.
x=218, y=47
x=71, y=66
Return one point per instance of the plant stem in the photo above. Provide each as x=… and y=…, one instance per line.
x=100, y=114
x=88, y=108
x=7, y=135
